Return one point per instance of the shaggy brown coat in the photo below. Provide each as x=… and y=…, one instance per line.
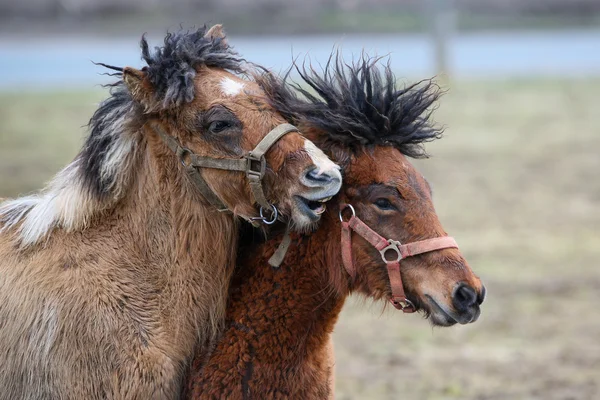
x=279, y=320
x=276, y=344
x=113, y=276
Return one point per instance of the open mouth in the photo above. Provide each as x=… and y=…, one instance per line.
x=439, y=316
x=312, y=208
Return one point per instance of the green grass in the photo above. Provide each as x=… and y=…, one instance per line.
x=256, y=19
x=418, y=21
x=515, y=181
x=40, y=133
x=371, y=21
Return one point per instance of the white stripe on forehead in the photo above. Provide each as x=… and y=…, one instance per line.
x=231, y=87
x=319, y=158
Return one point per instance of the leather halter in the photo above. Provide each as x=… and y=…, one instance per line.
x=253, y=164
x=387, y=248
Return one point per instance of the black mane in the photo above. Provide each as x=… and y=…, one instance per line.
x=172, y=67
x=358, y=105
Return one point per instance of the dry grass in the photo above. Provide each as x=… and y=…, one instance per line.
x=515, y=181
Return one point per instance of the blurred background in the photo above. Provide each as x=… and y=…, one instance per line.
x=516, y=179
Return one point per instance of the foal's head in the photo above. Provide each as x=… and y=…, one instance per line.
x=370, y=128
x=193, y=90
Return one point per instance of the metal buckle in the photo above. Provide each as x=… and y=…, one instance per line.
x=182, y=153
x=263, y=219
x=393, y=246
x=261, y=166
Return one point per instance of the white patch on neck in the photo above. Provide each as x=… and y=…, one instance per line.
x=64, y=203
x=323, y=163
x=67, y=202
x=231, y=87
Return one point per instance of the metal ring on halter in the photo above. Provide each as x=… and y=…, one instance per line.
x=404, y=304
x=264, y=219
x=344, y=208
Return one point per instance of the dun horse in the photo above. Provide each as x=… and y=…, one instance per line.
x=113, y=275
x=279, y=319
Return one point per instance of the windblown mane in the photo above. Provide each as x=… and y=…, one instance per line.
x=172, y=68
x=358, y=105
x=105, y=167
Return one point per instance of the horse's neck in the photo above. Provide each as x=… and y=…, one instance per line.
x=201, y=242
x=279, y=319
x=303, y=287
x=187, y=249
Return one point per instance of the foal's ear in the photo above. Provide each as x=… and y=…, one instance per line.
x=217, y=32
x=140, y=87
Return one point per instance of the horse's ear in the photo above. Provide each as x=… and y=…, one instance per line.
x=216, y=32
x=140, y=87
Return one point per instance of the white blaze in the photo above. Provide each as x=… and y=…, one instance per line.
x=323, y=163
x=231, y=87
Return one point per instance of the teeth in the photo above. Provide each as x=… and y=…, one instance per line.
x=326, y=199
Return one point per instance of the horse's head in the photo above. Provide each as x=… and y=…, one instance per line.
x=391, y=197
x=369, y=127
x=196, y=104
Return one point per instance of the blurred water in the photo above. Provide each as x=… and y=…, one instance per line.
x=67, y=61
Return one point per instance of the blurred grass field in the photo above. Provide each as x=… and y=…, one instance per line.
x=516, y=182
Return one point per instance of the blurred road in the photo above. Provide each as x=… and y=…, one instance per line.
x=51, y=62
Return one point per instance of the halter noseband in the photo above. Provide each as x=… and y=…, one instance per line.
x=387, y=248
x=253, y=164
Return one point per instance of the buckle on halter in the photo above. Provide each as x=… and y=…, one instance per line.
x=255, y=167
x=183, y=153
x=392, y=247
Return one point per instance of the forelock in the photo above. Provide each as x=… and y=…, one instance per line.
x=171, y=69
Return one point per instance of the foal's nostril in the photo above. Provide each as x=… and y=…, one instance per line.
x=464, y=297
x=316, y=177
x=481, y=296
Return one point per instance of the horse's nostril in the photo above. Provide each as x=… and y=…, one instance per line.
x=464, y=297
x=481, y=296
x=317, y=176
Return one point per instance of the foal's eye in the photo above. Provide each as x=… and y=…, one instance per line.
x=384, y=204
x=219, y=126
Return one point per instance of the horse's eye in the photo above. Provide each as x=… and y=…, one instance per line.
x=384, y=204
x=218, y=126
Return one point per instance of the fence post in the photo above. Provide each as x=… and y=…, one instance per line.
x=443, y=27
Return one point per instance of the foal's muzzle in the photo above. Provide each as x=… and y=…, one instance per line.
x=329, y=180
x=318, y=188
x=465, y=306
x=466, y=302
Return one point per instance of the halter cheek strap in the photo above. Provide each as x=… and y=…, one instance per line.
x=392, y=252
x=253, y=164
x=257, y=164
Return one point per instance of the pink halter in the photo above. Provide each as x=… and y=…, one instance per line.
x=387, y=247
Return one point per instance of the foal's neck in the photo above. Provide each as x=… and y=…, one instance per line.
x=279, y=321
x=303, y=285
x=188, y=248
